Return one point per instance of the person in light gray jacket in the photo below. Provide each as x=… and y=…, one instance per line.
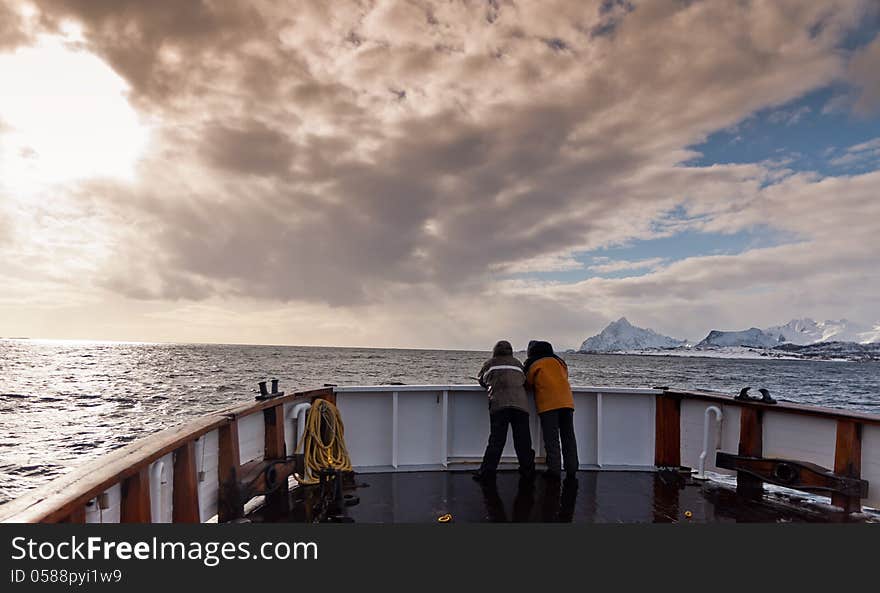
x=504, y=380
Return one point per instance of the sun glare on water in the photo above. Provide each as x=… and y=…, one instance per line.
x=64, y=116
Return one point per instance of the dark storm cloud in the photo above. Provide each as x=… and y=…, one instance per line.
x=253, y=248
x=342, y=152
x=249, y=147
x=132, y=34
x=396, y=221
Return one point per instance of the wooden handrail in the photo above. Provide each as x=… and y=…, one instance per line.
x=67, y=494
x=831, y=413
x=64, y=498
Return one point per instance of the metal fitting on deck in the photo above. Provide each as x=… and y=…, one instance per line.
x=264, y=392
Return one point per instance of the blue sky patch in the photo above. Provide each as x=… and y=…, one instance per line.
x=640, y=257
x=811, y=133
x=817, y=132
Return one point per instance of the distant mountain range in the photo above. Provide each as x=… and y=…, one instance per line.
x=799, y=338
x=801, y=332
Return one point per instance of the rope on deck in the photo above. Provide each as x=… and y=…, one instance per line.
x=319, y=453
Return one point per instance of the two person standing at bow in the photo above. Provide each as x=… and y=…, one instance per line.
x=507, y=382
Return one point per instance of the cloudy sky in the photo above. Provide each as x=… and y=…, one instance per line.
x=435, y=174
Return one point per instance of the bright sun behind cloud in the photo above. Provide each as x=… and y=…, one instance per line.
x=63, y=116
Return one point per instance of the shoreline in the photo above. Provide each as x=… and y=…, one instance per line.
x=746, y=355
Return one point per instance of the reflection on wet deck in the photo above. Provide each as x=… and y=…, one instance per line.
x=595, y=497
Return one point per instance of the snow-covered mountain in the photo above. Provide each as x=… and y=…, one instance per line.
x=871, y=336
x=621, y=335
x=752, y=338
x=801, y=332
x=807, y=331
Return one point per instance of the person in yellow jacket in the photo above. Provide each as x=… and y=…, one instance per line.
x=547, y=376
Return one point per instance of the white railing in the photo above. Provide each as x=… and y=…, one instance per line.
x=413, y=427
x=418, y=427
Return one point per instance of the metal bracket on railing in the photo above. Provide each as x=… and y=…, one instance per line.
x=269, y=476
x=765, y=396
x=800, y=475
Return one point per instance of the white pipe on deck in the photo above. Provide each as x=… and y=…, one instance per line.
x=157, y=492
x=298, y=412
x=718, y=417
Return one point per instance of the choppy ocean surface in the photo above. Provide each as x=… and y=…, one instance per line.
x=63, y=403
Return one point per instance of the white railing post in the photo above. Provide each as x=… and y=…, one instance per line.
x=394, y=429
x=599, y=429
x=718, y=417
x=157, y=492
x=444, y=430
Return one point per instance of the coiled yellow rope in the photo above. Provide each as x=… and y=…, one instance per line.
x=320, y=454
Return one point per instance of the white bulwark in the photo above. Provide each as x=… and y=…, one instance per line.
x=176, y=474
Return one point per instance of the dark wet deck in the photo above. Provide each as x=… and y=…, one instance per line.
x=595, y=497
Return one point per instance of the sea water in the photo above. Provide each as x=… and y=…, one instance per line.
x=63, y=403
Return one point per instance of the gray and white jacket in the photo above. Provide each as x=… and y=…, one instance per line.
x=504, y=379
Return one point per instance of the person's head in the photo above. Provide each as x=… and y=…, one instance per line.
x=539, y=348
x=502, y=348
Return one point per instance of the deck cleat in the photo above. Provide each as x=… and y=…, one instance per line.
x=765, y=396
x=743, y=394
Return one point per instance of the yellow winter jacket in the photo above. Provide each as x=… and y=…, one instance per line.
x=549, y=379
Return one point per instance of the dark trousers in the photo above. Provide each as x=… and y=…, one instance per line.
x=522, y=440
x=559, y=425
